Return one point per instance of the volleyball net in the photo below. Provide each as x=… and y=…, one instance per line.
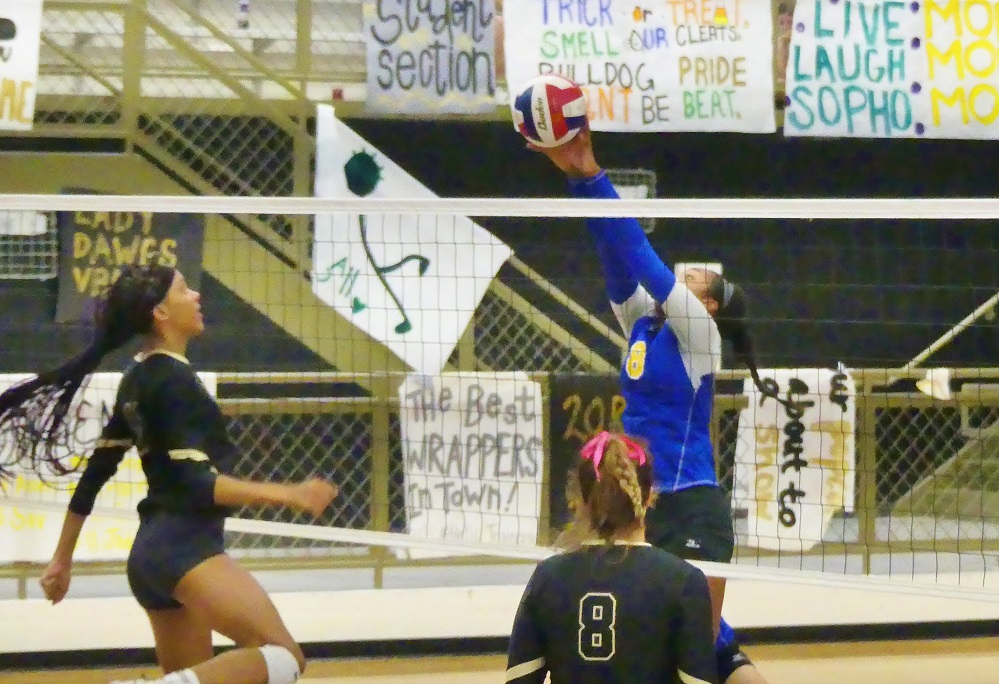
x=444, y=371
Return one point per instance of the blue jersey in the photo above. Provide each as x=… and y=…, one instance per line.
x=667, y=376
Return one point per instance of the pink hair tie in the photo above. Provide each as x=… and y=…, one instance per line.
x=594, y=450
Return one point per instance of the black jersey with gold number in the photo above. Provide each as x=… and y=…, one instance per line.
x=164, y=410
x=628, y=614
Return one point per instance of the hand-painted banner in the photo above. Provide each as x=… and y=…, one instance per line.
x=411, y=281
x=94, y=247
x=473, y=457
x=20, y=42
x=430, y=56
x=669, y=65
x=795, y=461
x=882, y=69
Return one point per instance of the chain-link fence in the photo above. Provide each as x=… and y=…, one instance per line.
x=925, y=456
x=29, y=246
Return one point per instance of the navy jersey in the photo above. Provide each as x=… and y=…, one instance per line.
x=632, y=614
x=164, y=410
x=667, y=377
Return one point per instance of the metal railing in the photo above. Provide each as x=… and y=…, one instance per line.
x=906, y=442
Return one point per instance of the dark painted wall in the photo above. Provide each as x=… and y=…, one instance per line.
x=238, y=338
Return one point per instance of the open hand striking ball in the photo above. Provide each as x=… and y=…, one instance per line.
x=550, y=110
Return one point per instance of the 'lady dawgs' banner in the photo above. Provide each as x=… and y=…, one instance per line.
x=795, y=462
x=94, y=246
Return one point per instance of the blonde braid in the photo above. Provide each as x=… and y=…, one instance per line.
x=623, y=470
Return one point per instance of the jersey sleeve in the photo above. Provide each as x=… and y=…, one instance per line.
x=694, y=327
x=627, y=257
x=638, y=305
x=526, y=652
x=173, y=410
x=693, y=639
x=115, y=440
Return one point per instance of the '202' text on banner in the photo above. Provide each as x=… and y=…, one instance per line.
x=887, y=68
x=667, y=65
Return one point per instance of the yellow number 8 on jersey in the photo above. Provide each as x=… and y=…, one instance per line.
x=634, y=366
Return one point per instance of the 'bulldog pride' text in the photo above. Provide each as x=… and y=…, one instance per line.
x=673, y=65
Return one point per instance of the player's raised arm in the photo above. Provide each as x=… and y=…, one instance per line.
x=632, y=269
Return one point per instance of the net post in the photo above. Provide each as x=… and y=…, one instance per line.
x=544, y=501
x=867, y=488
x=380, y=467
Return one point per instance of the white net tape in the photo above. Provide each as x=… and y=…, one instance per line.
x=761, y=208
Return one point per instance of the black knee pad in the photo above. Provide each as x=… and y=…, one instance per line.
x=730, y=658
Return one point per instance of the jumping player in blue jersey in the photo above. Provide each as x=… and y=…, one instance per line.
x=675, y=324
x=616, y=609
x=177, y=568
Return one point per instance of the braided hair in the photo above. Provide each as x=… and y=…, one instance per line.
x=34, y=432
x=609, y=494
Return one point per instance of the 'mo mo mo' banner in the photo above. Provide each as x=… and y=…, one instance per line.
x=878, y=68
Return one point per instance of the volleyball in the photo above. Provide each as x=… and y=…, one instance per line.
x=550, y=110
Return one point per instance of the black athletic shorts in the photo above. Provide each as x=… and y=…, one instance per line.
x=694, y=523
x=167, y=546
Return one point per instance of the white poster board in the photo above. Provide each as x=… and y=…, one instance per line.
x=20, y=42
x=430, y=56
x=411, y=281
x=795, y=464
x=473, y=456
x=886, y=69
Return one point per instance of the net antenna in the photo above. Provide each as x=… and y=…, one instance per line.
x=635, y=184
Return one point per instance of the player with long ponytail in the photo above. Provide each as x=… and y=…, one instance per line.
x=177, y=567
x=675, y=324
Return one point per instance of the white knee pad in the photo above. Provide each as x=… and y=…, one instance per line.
x=282, y=666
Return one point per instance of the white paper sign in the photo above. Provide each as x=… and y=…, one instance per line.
x=473, y=456
x=411, y=281
x=670, y=65
x=886, y=68
x=795, y=465
x=430, y=56
x=20, y=42
x=30, y=535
